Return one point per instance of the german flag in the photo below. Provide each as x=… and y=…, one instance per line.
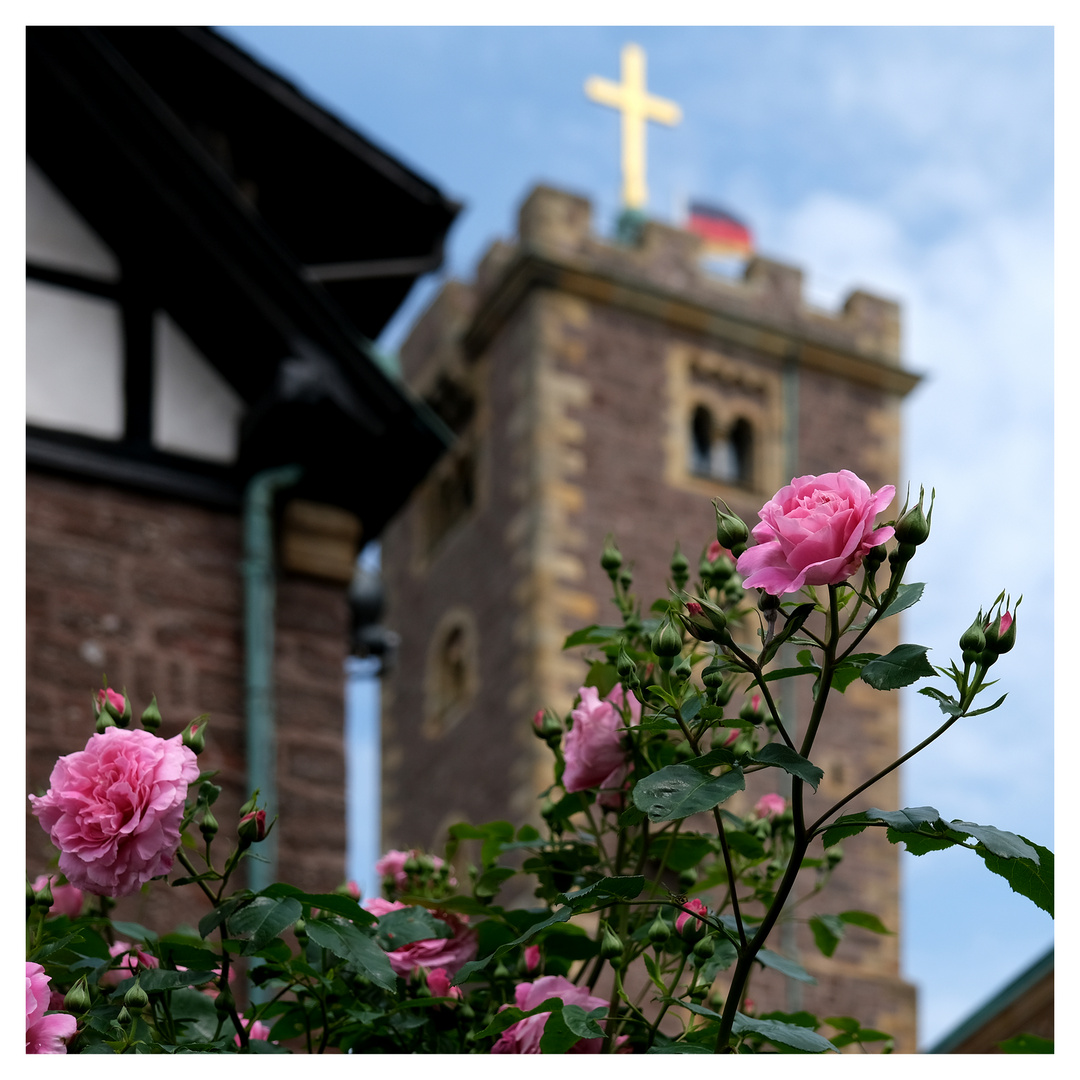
x=723, y=233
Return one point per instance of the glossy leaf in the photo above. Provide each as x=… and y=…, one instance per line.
x=828, y=930
x=794, y=1036
x=901, y=667
x=402, y=927
x=262, y=920
x=677, y=791
x=592, y=635
x=567, y=1025
x=344, y=940
x=1030, y=879
x=866, y=920
x=785, y=966
x=785, y=758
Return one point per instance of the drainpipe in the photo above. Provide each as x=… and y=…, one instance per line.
x=258, y=569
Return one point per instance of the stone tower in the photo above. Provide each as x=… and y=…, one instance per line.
x=600, y=388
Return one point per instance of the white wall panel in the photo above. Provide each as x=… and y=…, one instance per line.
x=57, y=237
x=74, y=365
x=196, y=412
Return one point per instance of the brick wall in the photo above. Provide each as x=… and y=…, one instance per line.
x=148, y=591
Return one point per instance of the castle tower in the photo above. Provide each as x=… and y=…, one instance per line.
x=600, y=388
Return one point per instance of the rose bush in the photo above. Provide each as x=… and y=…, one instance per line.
x=815, y=531
x=114, y=809
x=676, y=719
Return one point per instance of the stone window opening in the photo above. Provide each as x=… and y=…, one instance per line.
x=721, y=452
x=451, y=681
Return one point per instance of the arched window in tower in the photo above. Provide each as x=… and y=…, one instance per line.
x=701, y=438
x=450, y=682
x=719, y=454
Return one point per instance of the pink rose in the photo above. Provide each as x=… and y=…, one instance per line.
x=449, y=953
x=684, y=916
x=133, y=960
x=67, y=900
x=770, y=806
x=815, y=531
x=532, y=957
x=45, y=1034
x=114, y=809
x=593, y=748
x=438, y=982
x=524, y=1036
x=392, y=865
x=256, y=1030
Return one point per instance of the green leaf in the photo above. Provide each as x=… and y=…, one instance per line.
x=848, y=671
x=261, y=920
x=677, y=791
x=344, y=940
x=630, y=817
x=948, y=705
x=134, y=931
x=654, y=973
x=791, y=672
x=621, y=888
x=592, y=635
x=213, y=919
x=402, y=927
x=785, y=966
x=1007, y=845
x=917, y=843
x=988, y=708
x=910, y=819
x=1030, y=879
x=828, y=930
x=906, y=596
x=866, y=920
x=794, y=1036
x=345, y=906
x=901, y=667
x=1027, y=1044
x=785, y=758
x=567, y=1025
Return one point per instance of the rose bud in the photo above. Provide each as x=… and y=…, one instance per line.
x=151, y=717
x=252, y=827
x=973, y=639
x=111, y=702
x=659, y=931
x=686, y=925
x=77, y=999
x=193, y=736
x=914, y=526
x=610, y=559
x=208, y=826
x=611, y=948
x=667, y=643
x=731, y=531
x=705, y=947
x=680, y=568
x=136, y=997
x=753, y=711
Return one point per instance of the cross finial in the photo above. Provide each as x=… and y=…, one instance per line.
x=637, y=106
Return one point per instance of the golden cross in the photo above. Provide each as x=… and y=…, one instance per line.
x=637, y=106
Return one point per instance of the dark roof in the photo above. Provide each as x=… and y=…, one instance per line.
x=1005, y=998
x=223, y=191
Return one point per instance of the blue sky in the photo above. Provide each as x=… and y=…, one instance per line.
x=917, y=163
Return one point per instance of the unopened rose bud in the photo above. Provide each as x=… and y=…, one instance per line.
x=705, y=947
x=547, y=726
x=44, y=897
x=193, y=736
x=731, y=530
x=914, y=526
x=713, y=677
x=77, y=999
x=123, y=1016
x=626, y=579
x=136, y=997
x=752, y=710
x=610, y=559
x=501, y=971
x=687, y=926
x=680, y=568
x=532, y=957
x=901, y=555
x=666, y=643
x=659, y=931
x=973, y=639
x=252, y=827
x=151, y=717
x=104, y=721
x=250, y=805
x=225, y=1002
x=611, y=948
x=411, y=865
x=111, y=702
x=208, y=826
